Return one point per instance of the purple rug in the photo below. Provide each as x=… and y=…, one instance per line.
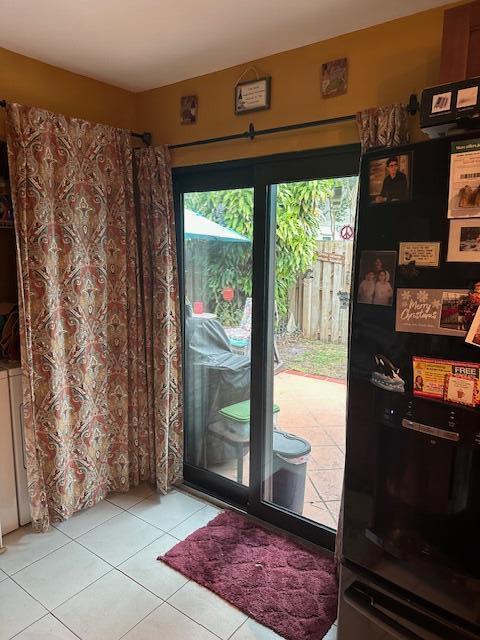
x=274, y=580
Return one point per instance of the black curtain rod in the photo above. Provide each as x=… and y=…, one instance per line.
x=412, y=108
x=145, y=137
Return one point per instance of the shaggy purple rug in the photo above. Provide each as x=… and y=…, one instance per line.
x=274, y=580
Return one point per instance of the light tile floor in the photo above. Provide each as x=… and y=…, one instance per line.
x=96, y=577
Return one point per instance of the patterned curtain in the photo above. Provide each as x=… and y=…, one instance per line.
x=383, y=126
x=161, y=304
x=88, y=427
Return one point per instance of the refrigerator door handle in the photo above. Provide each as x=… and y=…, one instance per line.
x=431, y=431
x=377, y=617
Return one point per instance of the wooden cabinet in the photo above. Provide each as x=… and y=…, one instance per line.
x=460, y=57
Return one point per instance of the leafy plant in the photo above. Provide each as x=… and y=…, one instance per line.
x=300, y=208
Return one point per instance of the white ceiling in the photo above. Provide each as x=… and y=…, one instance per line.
x=141, y=44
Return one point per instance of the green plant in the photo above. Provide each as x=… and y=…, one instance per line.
x=300, y=207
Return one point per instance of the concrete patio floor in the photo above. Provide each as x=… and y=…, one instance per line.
x=313, y=409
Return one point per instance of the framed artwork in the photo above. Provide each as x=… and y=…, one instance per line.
x=390, y=179
x=334, y=78
x=253, y=95
x=441, y=102
x=188, y=109
x=467, y=97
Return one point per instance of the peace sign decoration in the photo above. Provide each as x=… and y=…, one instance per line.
x=346, y=232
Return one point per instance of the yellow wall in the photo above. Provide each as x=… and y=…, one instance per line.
x=387, y=63
x=32, y=82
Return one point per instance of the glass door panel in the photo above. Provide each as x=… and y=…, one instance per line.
x=218, y=228
x=304, y=445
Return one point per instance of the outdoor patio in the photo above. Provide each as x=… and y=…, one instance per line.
x=314, y=409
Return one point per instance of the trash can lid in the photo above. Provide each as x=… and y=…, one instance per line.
x=289, y=446
x=240, y=412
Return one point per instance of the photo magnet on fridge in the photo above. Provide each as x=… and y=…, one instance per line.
x=434, y=311
x=464, y=241
x=473, y=335
x=390, y=179
x=377, y=277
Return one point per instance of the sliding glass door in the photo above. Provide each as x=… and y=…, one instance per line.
x=305, y=435
x=217, y=271
x=265, y=252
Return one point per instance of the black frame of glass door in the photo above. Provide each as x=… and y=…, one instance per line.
x=262, y=174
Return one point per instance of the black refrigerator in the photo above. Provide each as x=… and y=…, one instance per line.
x=411, y=534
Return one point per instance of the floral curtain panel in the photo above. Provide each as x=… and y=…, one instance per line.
x=161, y=304
x=89, y=428
x=383, y=126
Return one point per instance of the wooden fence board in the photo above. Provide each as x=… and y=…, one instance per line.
x=314, y=301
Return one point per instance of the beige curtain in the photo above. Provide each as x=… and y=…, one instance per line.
x=383, y=126
x=85, y=345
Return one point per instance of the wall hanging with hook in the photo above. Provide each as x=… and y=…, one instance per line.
x=252, y=95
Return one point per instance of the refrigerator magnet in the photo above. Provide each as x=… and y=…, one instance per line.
x=433, y=311
x=430, y=374
x=421, y=254
x=377, y=277
x=464, y=241
x=389, y=179
x=461, y=390
x=464, y=190
x=473, y=335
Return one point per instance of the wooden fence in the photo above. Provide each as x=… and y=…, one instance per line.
x=319, y=302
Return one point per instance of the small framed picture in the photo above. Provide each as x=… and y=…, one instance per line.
x=253, y=95
x=464, y=240
x=377, y=277
x=334, y=78
x=467, y=97
x=188, y=109
x=389, y=179
x=441, y=102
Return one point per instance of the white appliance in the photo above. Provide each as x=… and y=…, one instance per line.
x=14, y=373
x=8, y=488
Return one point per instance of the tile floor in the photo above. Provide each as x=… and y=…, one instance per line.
x=96, y=577
x=313, y=409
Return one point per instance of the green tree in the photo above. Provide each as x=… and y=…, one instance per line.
x=300, y=207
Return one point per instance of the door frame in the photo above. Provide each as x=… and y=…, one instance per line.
x=260, y=173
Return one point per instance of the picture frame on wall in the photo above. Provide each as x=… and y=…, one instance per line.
x=188, y=109
x=253, y=95
x=390, y=179
x=334, y=78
